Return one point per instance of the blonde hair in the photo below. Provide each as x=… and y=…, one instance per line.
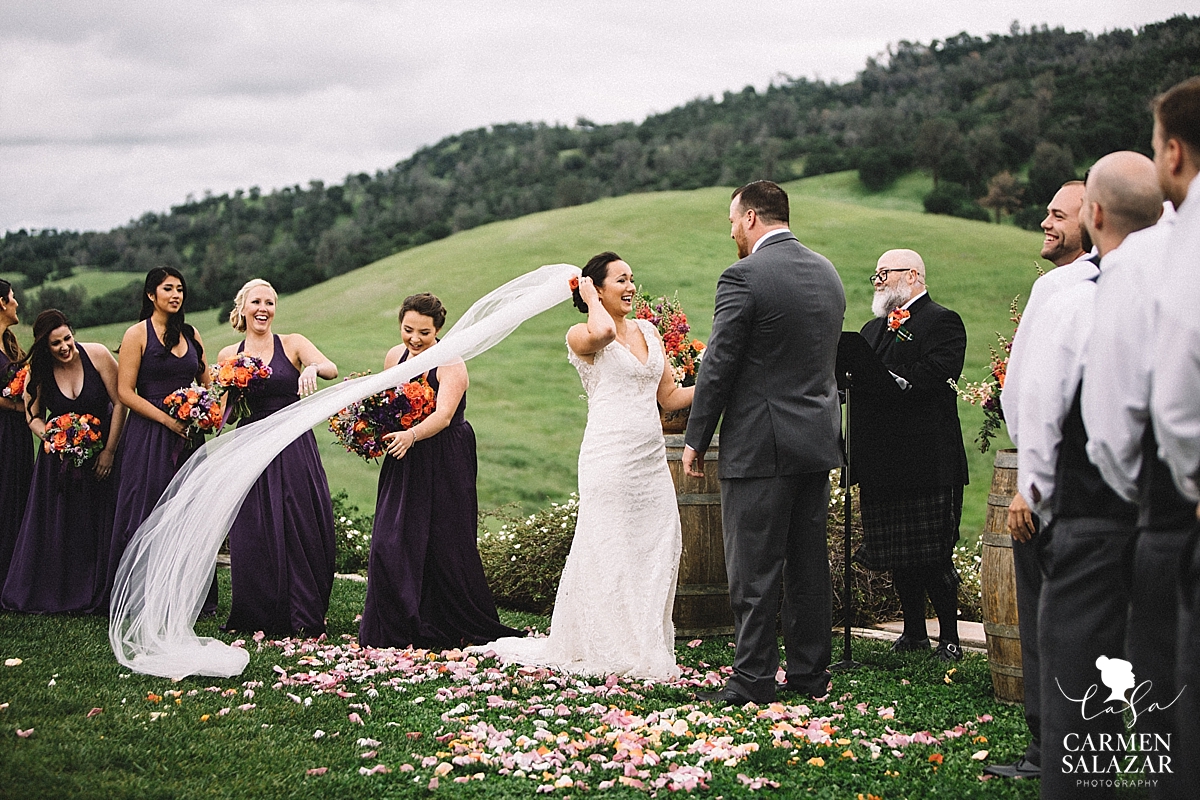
x=237, y=317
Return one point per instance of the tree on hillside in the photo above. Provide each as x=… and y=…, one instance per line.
x=938, y=143
x=1052, y=166
x=1004, y=194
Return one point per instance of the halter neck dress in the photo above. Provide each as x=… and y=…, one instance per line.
x=60, y=560
x=282, y=546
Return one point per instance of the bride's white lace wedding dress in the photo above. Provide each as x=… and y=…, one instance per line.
x=612, y=614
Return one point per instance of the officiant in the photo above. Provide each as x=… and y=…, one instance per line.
x=907, y=453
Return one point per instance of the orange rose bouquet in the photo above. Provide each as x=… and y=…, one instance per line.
x=73, y=437
x=14, y=381
x=239, y=376
x=360, y=427
x=667, y=316
x=196, y=406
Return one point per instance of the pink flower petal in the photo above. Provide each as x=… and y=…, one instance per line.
x=94, y=712
x=25, y=734
x=355, y=718
x=318, y=770
x=694, y=643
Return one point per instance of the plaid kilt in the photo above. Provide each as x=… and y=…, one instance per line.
x=909, y=527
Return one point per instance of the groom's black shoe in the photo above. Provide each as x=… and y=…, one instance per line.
x=802, y=691
x=725, y=697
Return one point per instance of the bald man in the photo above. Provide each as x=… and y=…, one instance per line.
x=1116, y=414
x=1089, y=544
x=907, y=450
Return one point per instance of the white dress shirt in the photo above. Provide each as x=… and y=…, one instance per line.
x=1116, y=386
x=1036, y=312
x=763, y=239
x=1043, y=373
x=1175, y=371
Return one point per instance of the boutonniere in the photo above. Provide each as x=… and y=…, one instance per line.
x=895, y=323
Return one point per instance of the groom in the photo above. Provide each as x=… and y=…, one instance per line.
x=769, y=372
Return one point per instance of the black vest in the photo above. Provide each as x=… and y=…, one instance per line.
x=1160, y=505
x=1079, y=489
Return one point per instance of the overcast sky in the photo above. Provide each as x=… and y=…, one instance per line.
x=111, y=109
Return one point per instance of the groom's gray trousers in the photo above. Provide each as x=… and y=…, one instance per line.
x=775, y=544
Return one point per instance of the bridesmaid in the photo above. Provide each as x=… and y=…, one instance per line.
x=281, y=546
x=158, y=355
x=16, y=442
x=425, y=581
x=60, y=560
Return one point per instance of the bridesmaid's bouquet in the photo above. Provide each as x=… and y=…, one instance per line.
x=240, y=375
x=666, y=314
x=196, y=406
x=360, y=426
x=76, y=437
x=14, y=381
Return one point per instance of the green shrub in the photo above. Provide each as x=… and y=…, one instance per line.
x=353, y=530
x=525, y=557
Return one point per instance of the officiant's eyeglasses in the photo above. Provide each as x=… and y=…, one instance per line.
x=881, y=276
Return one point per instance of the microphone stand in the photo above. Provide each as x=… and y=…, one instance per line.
x=847, y=662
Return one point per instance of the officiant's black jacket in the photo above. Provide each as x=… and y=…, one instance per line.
x=913, y=437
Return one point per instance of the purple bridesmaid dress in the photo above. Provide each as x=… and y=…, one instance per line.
x=150, y=453
x=60, y=560
x=425, y=583
x=16, y=472
x=282, y=548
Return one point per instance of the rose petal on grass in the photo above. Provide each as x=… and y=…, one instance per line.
x=13, y=662
x=318, y=733
x=442, y=769
x=694, y=643
x=355, y=718
x=369, y=754
x=24, y=734
x=979, y=755
x=369, y=743
x=318, y=770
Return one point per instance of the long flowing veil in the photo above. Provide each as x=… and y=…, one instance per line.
x=166, y=570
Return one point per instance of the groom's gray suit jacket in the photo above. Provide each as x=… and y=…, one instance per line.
x=769, y=366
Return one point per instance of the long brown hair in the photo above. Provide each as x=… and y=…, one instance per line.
x=9, y=341
x=40, y=359
x=176, y=326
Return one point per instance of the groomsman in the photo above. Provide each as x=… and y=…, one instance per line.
x=907, y=450
x=1086, y=559
x=1065, y=245
x=769, y=377
x=1175, y=396
x=1121, y=443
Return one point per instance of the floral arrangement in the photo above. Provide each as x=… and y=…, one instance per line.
x=196, y=406
x=76, y=437
x=243, y=374
x=683, y=354
x=360, y=427
x=986, y=393
x=14, y=381
x=895, y=323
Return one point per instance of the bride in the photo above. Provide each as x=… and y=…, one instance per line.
x=612, y=614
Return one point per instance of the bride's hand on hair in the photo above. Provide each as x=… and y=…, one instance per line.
x=587, y=291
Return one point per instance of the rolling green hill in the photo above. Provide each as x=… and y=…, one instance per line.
x=525, y=399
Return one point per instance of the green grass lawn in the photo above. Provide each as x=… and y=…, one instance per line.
x=95, y=281
x=524, y=399
x=100, y=732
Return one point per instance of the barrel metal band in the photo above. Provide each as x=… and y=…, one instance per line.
x=1004, y=669
x=997, y=539
x=692, y=589
x=1002, y=630
x=698, y=499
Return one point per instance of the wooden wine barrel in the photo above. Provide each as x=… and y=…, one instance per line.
x=1000, y=584
x=702, y=595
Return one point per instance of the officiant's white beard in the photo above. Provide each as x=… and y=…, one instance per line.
x=887, y=300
